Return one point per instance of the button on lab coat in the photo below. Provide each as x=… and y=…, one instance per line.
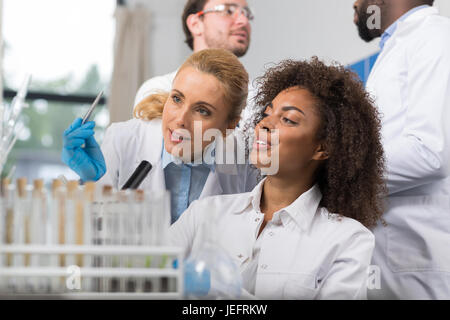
x=307, y=253
x=411, y=85
x=128, y=143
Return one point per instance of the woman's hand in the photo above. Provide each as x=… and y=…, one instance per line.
x=87, y=161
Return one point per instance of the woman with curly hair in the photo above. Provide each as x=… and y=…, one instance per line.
x=302, y=232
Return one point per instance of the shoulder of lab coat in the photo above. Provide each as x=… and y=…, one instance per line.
x=126, y=143
x=347, y=276
x=423, y=50
x=346, y=261
x=153, y=85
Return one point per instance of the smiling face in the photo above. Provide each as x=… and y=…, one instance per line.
x=225, y=32
x=196, y=97
x=294, y=115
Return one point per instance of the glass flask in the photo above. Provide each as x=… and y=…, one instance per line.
x=210, y=272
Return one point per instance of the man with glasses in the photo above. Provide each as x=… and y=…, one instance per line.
x=207, y=24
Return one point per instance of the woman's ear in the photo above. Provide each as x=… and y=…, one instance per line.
x=195, y=25
x=321, y=153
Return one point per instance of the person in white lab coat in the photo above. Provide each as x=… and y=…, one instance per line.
x=411, y=84
x=302, y=232
x=210, y=90
x=210, y=24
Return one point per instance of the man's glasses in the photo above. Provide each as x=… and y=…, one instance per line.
x=229, y=10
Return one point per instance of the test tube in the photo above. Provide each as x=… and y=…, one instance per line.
x=134, y=237
x=4, y=232
x=117, y=233
x=71, y=208
x=152, y=284
x=89, y=194
x=161, y=223
x=101, y=284
x=79, y=224
x=9, y=200
x=95, y=220
x=125, y=217
x=109, y=214
x=54, y=230
x=3, y=215
x=38, y=224
x=21, y=230
x=164, y=217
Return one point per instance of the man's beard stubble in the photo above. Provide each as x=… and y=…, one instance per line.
x=364, y=32
x=238, y=51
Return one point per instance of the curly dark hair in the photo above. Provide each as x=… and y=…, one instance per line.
x=351, y=179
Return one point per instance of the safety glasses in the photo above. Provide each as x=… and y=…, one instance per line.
x=229, y=10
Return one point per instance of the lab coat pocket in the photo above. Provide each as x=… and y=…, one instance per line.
x=418, y=233
x=300, y=286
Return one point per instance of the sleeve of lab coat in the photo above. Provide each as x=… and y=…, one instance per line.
x=111, y=155
x=347, y=277
x=421, y=154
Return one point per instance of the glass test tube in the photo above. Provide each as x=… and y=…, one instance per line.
x=38, y=226
x=95, y=220
x=21, y=230
x=115, y=232
x=9, y=199
x=86, y=260
x=125, y=231
x=72, y=210
x=109, y=214
x=55, y=226
x=153, y=284
x=161, y=216
x=134, y=237
x=100, y=217
x=5, y=229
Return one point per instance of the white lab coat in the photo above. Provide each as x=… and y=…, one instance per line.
x=305, y=252
x=126, y=144
x=411, y=84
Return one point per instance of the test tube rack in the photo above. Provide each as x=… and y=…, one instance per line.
x=86, y=242
x=39, y=282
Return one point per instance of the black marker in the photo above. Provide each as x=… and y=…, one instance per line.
x=138, y=176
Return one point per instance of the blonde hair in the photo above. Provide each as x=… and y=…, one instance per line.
x=220, y=63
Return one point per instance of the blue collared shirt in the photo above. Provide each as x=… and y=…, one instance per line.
x=393, y=27
x=185, y=181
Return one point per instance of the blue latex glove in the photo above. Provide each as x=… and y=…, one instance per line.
x=87, y=161
x=196, y=283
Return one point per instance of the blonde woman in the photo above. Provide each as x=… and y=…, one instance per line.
x=208, y=93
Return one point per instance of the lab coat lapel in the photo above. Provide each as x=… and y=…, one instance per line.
x=155, y=180
x=151, y=150
x=380, y=60
x=212, y=186
x=403, y=30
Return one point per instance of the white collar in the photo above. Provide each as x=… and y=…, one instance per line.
x=302, y=210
